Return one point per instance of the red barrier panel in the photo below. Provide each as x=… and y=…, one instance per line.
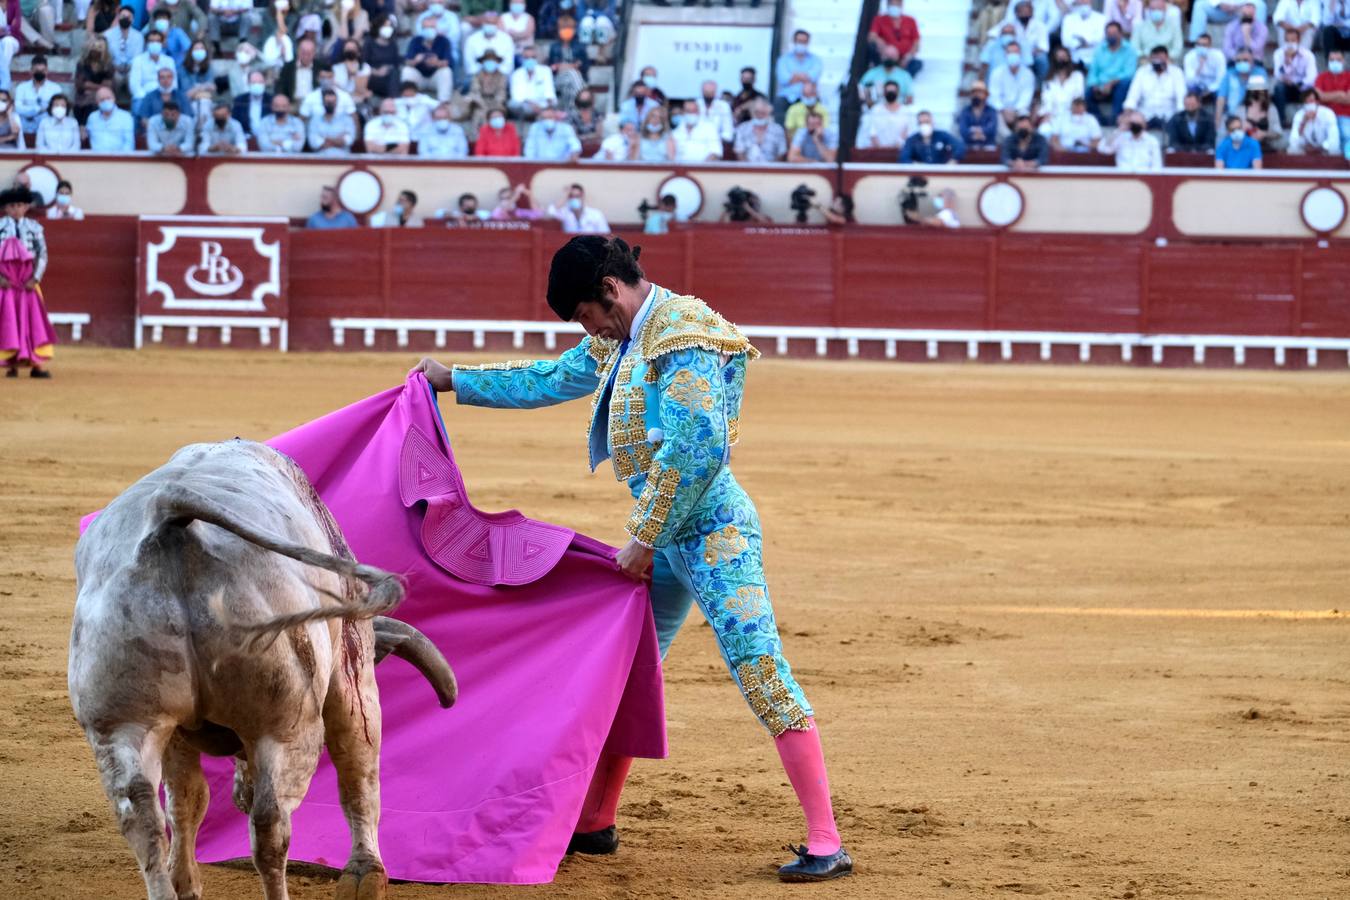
x=91, y=269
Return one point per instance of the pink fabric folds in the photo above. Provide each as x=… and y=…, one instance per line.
x=24, y=325
x=553, y=647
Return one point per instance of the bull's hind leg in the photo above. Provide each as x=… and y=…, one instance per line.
x=129, y=761
x=282, y=770
x=352, y=732
x=186, y=797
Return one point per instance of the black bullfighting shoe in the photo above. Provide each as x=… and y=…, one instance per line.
x=816, y=868
x=595, y=843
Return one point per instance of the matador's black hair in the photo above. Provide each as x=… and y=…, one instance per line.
x=582, y=264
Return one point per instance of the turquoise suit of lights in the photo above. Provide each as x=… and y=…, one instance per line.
x=665, y=409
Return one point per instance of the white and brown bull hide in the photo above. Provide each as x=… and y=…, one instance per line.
x=220, y=611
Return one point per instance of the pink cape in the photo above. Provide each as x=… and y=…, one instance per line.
x=553, y=647
x=24, y=325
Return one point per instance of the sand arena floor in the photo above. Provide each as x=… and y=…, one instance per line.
x=1069, y=631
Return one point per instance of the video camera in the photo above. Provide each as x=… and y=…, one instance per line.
x=801, y=202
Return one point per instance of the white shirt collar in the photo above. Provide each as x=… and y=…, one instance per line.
x=636, y=327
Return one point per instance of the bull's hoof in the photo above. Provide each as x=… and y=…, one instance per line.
x=371, y=885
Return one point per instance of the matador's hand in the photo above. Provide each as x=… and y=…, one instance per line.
x=635, y=560
x=439, y=377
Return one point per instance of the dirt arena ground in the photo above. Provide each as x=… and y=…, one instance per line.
x=1070, y=631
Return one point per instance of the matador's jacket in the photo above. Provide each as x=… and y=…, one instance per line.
x=666, y=410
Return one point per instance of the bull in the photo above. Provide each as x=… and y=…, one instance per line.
x=220, y=611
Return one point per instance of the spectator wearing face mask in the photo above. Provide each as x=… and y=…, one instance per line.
x=587, y=121
x=743, y=101
x=488, y=90
x=331, y=132
x=222, y=135
x=656, y=143
x=350, y=73
x=1295, y=72
x=568, y=61
x=931, y=147
x=715, y=111
x=251, y=107
x=518, y=25
x=638, y=105
x=892, y=28
x=1156, y=29
x=761, y=140
x=888, y=123
x=622, y=145
x=531, y=87
x=1109, y=76
x=977, y=123
x=64, y=207
x=313, y=104
x=497, y=137
x=798, y=112
x=386, y=133
x=170, y=133
x=1314, y=131
x=1135, y=149
x=1233, y=91
x=1191, y=131
x=413, y=108
x=551, y=139
x=111, y=130
x=1082, y=30
x=11, y=129
x=144, y=75
x=197, y=81
x=870, y=86
x=176, y=40
x=300, y=76
x=124, y=43
x=696, y=138
x=1025, y=150
x=1031, y=33
x=648, y=77
x=1075, y=131
x=466, y=212
x=1303, y=17
x=447, y=23
x=1247, y=32
x=428, y=62
x=58, y=132
x=381, y=53
x=441, y=138
x=1204, y=67
x=330, y=214
x=795, y=68
x=1333, y=90
x=994, y=51
x=509, y=208
x=166, y=92
x=1063, y=86
x=281, y=132
x=576, y=217
x=32, y=98
x=1157, y=92
x=1237, y=151
x=489, y=37
x=187, y=17
x=1012, y=87
x=1219, y=12
x=400, y=216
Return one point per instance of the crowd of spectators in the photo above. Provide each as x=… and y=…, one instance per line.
x=1140, y=79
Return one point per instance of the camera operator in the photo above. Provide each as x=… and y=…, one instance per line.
x=919, y=207
x=815, y=143
x=656, y=219
x=840, y=211
x=743, y=206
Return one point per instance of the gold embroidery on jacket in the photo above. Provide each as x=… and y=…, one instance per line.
x=724, y=544
x=654, y=504
x=769, y=697
x=747, y=605
x=498, y=366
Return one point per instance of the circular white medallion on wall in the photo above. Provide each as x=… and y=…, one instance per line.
x=1001, y=204
x=43, y=179
x=688, y=195
x=1323, y=209
x=359, y=191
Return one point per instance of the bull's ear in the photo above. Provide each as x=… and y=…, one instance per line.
x=406, y=642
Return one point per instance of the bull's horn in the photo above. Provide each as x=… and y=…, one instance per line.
x=405, y=641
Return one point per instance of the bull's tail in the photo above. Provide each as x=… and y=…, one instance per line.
x=181, y=506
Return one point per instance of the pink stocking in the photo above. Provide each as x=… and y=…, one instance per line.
x=602, y=797
x=804, y=762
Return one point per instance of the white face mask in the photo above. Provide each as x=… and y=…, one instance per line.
x=59, y=112
x=386, y=31
x=926, y=129
x=1310, y=109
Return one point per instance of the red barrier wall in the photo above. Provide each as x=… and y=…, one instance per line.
x=860, y=277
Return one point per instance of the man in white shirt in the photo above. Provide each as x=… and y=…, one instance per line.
x=532, y=87
x=1295, y=72
x=1077, y=130
x=1136, y=150
x=887, y=124
x=1158, y=91
x=1082, y=30
x=414, y=107
x=144, y=77
x=313, y=104
x=490, y=36
x=387, y=133
x=1315, y=129
x=696, y=139
x=1047, y=12
x=1303, y=16
x=401, y=216
x=717, y=111
x=576, y=217
x=621, y=145
x=1012, y=87
x=32, y=97
x=1204, y=67
x=9, y=45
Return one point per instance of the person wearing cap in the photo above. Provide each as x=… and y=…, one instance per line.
x=977, y=124
x=666, y=377
x=223, y=135
x=489, y=37
x=489, y=89
x=26, y=333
